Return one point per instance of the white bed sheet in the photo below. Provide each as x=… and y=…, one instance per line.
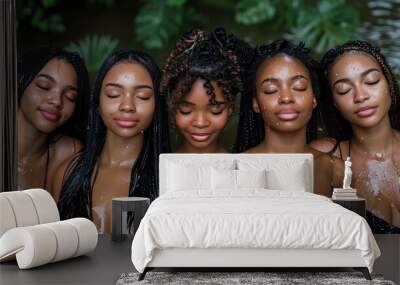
x=252, y=218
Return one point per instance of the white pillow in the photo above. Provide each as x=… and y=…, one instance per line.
x=293, y=179
x=251, y=178
x=183, y=177
x=189, y=175
x=223, y=179
x=281, y=174
x=228, y=179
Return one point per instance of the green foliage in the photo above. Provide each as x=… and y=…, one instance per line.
x=38, y=16
x=158, y=21
x=288, y=13
x=250, y=12
x=94, y=49
x=329, y=24
x=323, y=25
x=176, y=3
x=52, y=23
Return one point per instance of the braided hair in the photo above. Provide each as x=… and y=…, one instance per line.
x=31, y=64
x=251, y=126
x=337, y=126
x=198, y=54
x=76, y=194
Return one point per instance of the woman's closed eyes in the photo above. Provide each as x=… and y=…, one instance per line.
x=214, y=109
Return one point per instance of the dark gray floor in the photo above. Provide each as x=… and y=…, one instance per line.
x=110, y=259
x=389, y=263
x=102, y=266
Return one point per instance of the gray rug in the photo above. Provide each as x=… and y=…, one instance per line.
x=270, y=278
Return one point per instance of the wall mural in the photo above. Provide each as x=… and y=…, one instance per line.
x=95, y=114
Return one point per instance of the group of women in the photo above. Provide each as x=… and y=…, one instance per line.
x=86, y=147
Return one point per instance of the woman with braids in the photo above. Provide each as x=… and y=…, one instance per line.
x=127, y=132
x=202, y=78
x=280, y=112
x=53, y=91
x=363, y=120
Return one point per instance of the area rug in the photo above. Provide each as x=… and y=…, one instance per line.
x=243, y=278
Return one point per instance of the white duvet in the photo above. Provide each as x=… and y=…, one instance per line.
x=253, y=218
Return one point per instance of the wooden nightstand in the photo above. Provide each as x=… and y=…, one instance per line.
x=356, y=205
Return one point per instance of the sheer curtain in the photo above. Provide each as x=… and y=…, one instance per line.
x=8, y=96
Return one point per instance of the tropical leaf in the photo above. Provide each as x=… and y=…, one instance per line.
x=158, y=21
x=155, y=22
x=329, y=24
x=94, y=49
x=250, y=12
x=38, y=15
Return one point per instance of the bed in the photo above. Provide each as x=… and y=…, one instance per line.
x=247, y=211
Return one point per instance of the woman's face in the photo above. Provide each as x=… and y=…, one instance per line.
x=127, y=99
x=49, y=100
x=284, y=94
x=360, y=90
x=199, y=121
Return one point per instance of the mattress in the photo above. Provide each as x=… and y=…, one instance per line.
x=251, y=219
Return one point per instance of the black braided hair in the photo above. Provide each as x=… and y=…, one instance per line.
x=198, y=54
x=31, y=64
x=251, y=126
x=76, y=194
x=336, y=125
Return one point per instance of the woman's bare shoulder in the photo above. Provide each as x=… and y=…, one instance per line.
x=325, y=145
x=66, y=144
x=63, y=148
x=326, y=158
x=331, y=166
x=331, y=146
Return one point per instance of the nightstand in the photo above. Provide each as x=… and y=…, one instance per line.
x=136, y=205
x=357, y=205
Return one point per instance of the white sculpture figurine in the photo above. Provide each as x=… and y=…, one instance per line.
x=347, y=174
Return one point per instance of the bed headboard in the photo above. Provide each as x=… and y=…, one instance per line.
x=280, y=161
